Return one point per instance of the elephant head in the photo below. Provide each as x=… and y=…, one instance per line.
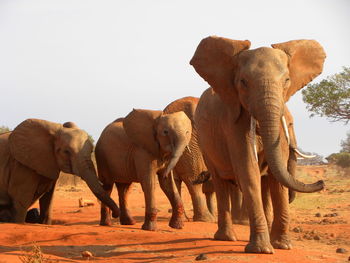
x=164, y=136
x=259, y=82
x=48, y=148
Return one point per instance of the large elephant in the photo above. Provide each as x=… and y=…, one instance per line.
x=191, y=164
x=238, y=206
x=136, y=149
x=249, y=87
x=31, y=158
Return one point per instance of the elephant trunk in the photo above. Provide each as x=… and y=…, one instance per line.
x=270, y=120
x=87, y=172
x=179, y=143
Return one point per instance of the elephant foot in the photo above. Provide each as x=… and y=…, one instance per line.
x=176, y=222
x=208, y=217
x=283, y=242
x=105, y=223
x=177, y=218
x=105, y=219
x=259, y=244
x=126, y=219
x=226, y=234
x=150, y=223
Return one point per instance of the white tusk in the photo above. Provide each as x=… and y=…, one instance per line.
x=188, y=148
x=285, y=128
x=253, y=135
x=304, y=156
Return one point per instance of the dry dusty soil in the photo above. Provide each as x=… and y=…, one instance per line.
x=320, y=225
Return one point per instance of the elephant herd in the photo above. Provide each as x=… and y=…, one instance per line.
x=236, y=140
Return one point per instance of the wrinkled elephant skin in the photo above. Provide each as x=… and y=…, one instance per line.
x=249, y=85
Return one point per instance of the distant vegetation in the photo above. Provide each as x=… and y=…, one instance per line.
x=4, y=129
x=331, y=97
x=317, y=160
x=342, y=159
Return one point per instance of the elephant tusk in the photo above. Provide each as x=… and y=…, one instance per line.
x=304, y=156
x=253, y=135
x=285, y=128
x=188, y=148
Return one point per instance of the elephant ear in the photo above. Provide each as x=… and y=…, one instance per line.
x=140, y=126
x=32, y=144
x=214, y=61
x=306, y=58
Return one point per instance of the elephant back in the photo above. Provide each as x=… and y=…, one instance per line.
x=186, y=104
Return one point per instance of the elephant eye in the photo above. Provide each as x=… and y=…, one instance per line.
x=66, y=152
x=165, y=132
x=287, y=80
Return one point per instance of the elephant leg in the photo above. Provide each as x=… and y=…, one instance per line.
x=280, y=226
x=45, y=203
x=200, y=209
x=123, y=192
x=267, y=202
x=225, y=231
x=148, y=186
x=5, y=214
x=178, y=183
x=209, y=196
x=239, y=212
x=247, y=173
x=105, y=219
x=169, y=188
x=208, y=190
x=259, y=240
x=19, y=212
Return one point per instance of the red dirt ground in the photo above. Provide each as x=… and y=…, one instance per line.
x=77, y=230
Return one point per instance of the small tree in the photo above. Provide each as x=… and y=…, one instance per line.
x=4, y=129
x=330, y=97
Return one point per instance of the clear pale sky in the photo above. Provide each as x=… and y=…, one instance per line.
x=93, y=61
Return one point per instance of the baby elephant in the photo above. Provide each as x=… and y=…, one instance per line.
x=136, y=149
x=31, y=158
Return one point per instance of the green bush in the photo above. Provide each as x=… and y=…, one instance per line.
x=340, y=159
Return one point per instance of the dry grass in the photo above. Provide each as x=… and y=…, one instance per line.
x=337, y=183
x=35, y=256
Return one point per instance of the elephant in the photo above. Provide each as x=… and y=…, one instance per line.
x=191, y=164
x=144, y=144
x=238, y=206
x=249, y=89
x=192, y=170
x=31, y=158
